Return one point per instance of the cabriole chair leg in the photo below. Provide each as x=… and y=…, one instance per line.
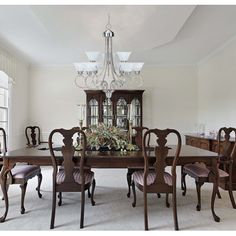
x=23, y=190
x=40, y=177
x=198, y=187
x=92, y=194
x=53, y=210
x=183, y=181
x=134, y=194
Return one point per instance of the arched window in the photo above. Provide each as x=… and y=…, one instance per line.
x=4, y=119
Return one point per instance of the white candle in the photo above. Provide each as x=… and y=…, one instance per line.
x=131, y=112
x=128, y=112
x=81, y=111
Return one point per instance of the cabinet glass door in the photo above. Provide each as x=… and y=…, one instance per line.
x=107, y=112
x=93, y=112
x=136, y=110
x=121, y=113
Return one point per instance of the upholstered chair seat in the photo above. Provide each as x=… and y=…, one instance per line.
x=138, y=177
x=200, y=170
x=25, y=171
x=88, y=176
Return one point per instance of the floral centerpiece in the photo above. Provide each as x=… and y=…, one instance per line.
x=110, y=137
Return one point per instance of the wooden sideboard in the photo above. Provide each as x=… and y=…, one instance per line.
x=209, y=143
x=203, y=142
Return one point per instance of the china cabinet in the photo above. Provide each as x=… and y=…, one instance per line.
x=123, y=105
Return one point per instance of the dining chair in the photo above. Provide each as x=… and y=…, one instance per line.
x=20, y=174
x=85, y=129
x=154, y=178
x=202, y=174
x=69, y=178
x=33, y=136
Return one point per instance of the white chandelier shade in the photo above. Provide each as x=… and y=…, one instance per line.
x=108, y=76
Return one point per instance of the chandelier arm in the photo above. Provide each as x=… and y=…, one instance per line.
x=88, y=77
x=76, y=82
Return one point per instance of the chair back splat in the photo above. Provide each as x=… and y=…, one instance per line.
x=137, y=138
x=32, y=134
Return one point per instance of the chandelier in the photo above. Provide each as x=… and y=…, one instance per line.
x=108, y=75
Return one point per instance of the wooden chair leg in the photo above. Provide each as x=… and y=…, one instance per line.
x=198, y=187
x=92, y=194
x=60, y=198
x=7, y=187
x=129, y=180
x=183, y=182
x=23, y=190
x=145, y=211
x=53, y=208
x=134, y=194
x=167, y=200
x=182, y=172
x=40, y=177
x=89, y=194
x=82, y=209
x=232, y=197
x=218, y=194
x=175, y=211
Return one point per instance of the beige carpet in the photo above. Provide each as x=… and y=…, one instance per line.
x=113, y=210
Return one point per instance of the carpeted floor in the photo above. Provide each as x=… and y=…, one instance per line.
x=113, y=210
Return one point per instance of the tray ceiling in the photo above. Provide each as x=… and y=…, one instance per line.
x=155, y=34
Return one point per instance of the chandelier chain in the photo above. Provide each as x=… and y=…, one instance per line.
x=108, y=25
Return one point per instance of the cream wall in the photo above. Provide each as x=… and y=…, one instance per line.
x=169, y=100
x=54, y=98
x=170, y=97
x=216, y=89
x=19, y=104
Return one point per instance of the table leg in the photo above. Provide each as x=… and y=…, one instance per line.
x=215, y=189
x=3, y=180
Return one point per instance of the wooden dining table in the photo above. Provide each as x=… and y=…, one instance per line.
x=108, y=159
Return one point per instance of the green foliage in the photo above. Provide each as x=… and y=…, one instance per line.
x=112, y=137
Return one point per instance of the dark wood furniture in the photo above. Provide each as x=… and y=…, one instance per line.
x=114, y=111
x=154, y=178
x=201, y=173
x=137, y=140
x=108, y=159
x=211, y=143
x=20, y=174
x=33, y=136
x=69, y=178
x=205, y=142
x=61, y=167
